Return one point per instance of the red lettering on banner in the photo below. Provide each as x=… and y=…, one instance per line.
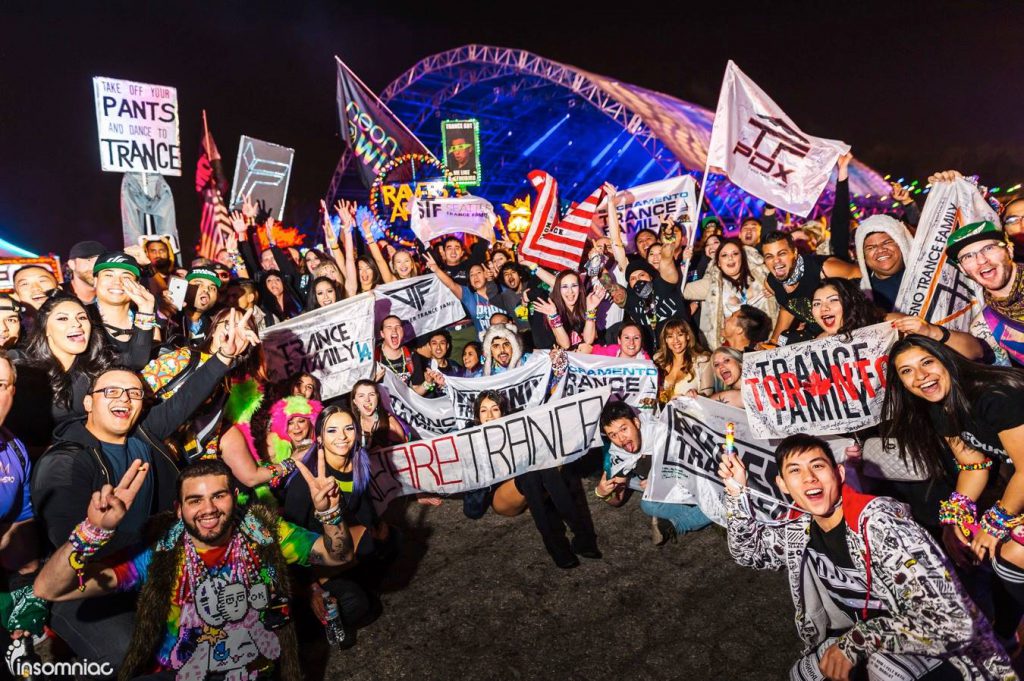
x=791, y=385
x=842, y=378
x=880, y=365
x=753, y=383
x=773, y=391
x=442, y=462
x=408, y=469
x=413, y=447
x=865, y=379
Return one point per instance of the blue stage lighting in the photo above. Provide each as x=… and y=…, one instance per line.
x=16, y=250
x=636, y=180
x=597, y=159
x=533, y=147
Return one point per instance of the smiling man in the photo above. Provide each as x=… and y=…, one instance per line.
x=875, y=597
x=88, y=454
x=33, y=285
x=981, y=251
x=127, y=309
x=882, y=244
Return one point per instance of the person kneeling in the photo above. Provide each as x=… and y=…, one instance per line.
x=874, y=595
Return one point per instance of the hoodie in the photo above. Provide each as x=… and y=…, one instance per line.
x=895, y=229
x=927, y=610
x=501, y=331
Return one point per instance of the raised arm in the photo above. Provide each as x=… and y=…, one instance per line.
x=548, y=308
x=346, y=211
x=335, y=546
x=839, y=237
x=614, y=232
x=330, y=238
x=378, y=257
x=452, y=285
x=68, y=575
x=667, y=268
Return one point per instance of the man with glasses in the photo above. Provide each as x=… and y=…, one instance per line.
x=88, y=454
x=981, y=251
x=1012, y=217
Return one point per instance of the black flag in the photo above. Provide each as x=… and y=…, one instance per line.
x=372, y=132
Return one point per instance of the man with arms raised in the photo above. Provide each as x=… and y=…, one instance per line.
x=214, y=585
x=874, y=594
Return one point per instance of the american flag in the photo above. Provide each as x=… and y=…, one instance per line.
x=214, y=225
x=557, y=244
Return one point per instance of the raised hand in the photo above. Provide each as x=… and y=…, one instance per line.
x=346, y=210
x=239, y=223
x=322, y=487
x=545, y=307
x=231, y=244
x=249, y=209
x=595, y=297
x=731, y=468
x=367, y=229
x=109, y=505
x=431, y=263
x=844, y=166
x=613, y=194
x=945, y=176
x=236, y=336
x=139, y=253
x=900, y=194
x=144, y=301
x=269, y=227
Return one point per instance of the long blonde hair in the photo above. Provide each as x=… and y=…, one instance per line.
x=664, y=358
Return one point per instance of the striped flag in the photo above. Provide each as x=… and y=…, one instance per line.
x=557, y=244
x=214, y=224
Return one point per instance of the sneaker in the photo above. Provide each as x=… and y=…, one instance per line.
x=476, y=503
x=586, y=547
x=662, y=531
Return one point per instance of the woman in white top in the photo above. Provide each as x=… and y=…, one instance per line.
x=730, y=281
x=683, y=364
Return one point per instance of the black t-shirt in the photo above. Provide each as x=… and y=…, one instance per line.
x=798, y=301
x=991, y=413
x=829, y=557
x=884, y=291
x=666, y=303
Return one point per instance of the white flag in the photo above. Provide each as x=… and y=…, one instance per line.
x=432, y=217
x=763, y=151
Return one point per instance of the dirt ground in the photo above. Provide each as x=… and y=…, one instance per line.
x=482, y=600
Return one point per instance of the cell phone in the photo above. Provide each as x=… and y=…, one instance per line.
x=176, y=287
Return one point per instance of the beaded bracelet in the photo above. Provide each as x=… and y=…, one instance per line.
x=555, y=320
x=591, y=315
x=998, y=522
x=86, y=539
x=331, y=516
x=959, y=510
x=987, y=463
x=605, y=497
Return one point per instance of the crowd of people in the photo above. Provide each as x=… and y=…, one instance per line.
x=170, y=510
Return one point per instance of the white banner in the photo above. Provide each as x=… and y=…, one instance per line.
x=934, y=288
x=429, y=417
x=542, y=437
x=423, y=303
x=138, y=127
x=431, y=217
x=647, y=205
x=334, y=343
x=687, y=466
x=763, y=151
x=634, y=380
x=524, y=387
x=821, y=387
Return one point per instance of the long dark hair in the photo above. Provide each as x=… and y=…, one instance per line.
x=905, y=417
x=575, y=318
x=383, y=415
x=251, y=362
x=359, y=457
x=858, y=310
x=268, y=300
x=377, y=279
x=93, y=362
x=744, y=278
x=312, y=303
x=493, y=396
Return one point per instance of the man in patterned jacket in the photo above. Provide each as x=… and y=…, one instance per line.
x=873, y=592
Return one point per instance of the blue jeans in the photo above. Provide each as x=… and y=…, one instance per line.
x=684, y=518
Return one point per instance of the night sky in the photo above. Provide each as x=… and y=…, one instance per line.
x=914, y=87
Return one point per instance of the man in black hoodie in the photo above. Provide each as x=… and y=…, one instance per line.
x=87, y=454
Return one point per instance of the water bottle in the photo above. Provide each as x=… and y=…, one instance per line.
x=333, y=626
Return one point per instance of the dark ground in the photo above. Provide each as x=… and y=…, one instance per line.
x=482, y=600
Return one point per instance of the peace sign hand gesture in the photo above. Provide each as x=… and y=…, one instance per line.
x=236, y=336
x=109, y=505
x=322, y=487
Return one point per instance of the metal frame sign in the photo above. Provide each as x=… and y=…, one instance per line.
x=461, y=141
x=138, y=127
x=262, y=170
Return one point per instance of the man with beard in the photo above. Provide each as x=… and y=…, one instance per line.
x=628, y=464
x=80, y=263
x=981, y=251
x=129, y=331
x=200, y=301
x=214, y=587
x=503, y=350
x=88, y=454
x=882, y=244
x=875, y=597
x=794, y=278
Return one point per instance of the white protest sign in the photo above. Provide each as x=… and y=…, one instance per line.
x=821, y=387
x=542, y=437
x=433, y=217
x=687, y=466
x=646, y=206
x=934, y=288
x=429, y=417
x=424, y=303
x=523, y=387
x=138, y=127
x=334, y=343
x=634, y=380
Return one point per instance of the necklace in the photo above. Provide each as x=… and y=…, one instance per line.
x=241, y=563
x=1012, y=306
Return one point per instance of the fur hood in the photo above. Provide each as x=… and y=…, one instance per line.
x=872, y=225
x=501, y=331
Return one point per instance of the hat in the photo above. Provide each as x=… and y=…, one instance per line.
x=203, y=273
x=86, y=249
x=117, y=260
x=969, y=234
x=638, y=264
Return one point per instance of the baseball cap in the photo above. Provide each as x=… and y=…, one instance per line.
x=986, y=230
x=86, y=249
x=117, y=260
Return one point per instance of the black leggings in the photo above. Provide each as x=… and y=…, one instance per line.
x=556, y=499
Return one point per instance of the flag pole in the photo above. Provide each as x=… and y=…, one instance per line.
x=691, y=230
x=206, y=139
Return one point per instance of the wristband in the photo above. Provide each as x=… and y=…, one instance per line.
x=555, y=320
x=331, y=516
x=605, y=497
x=944, y=334
x=591, y=315
x=86, y=539
x=998, y=522
x=987, y=463
x=961, y=511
